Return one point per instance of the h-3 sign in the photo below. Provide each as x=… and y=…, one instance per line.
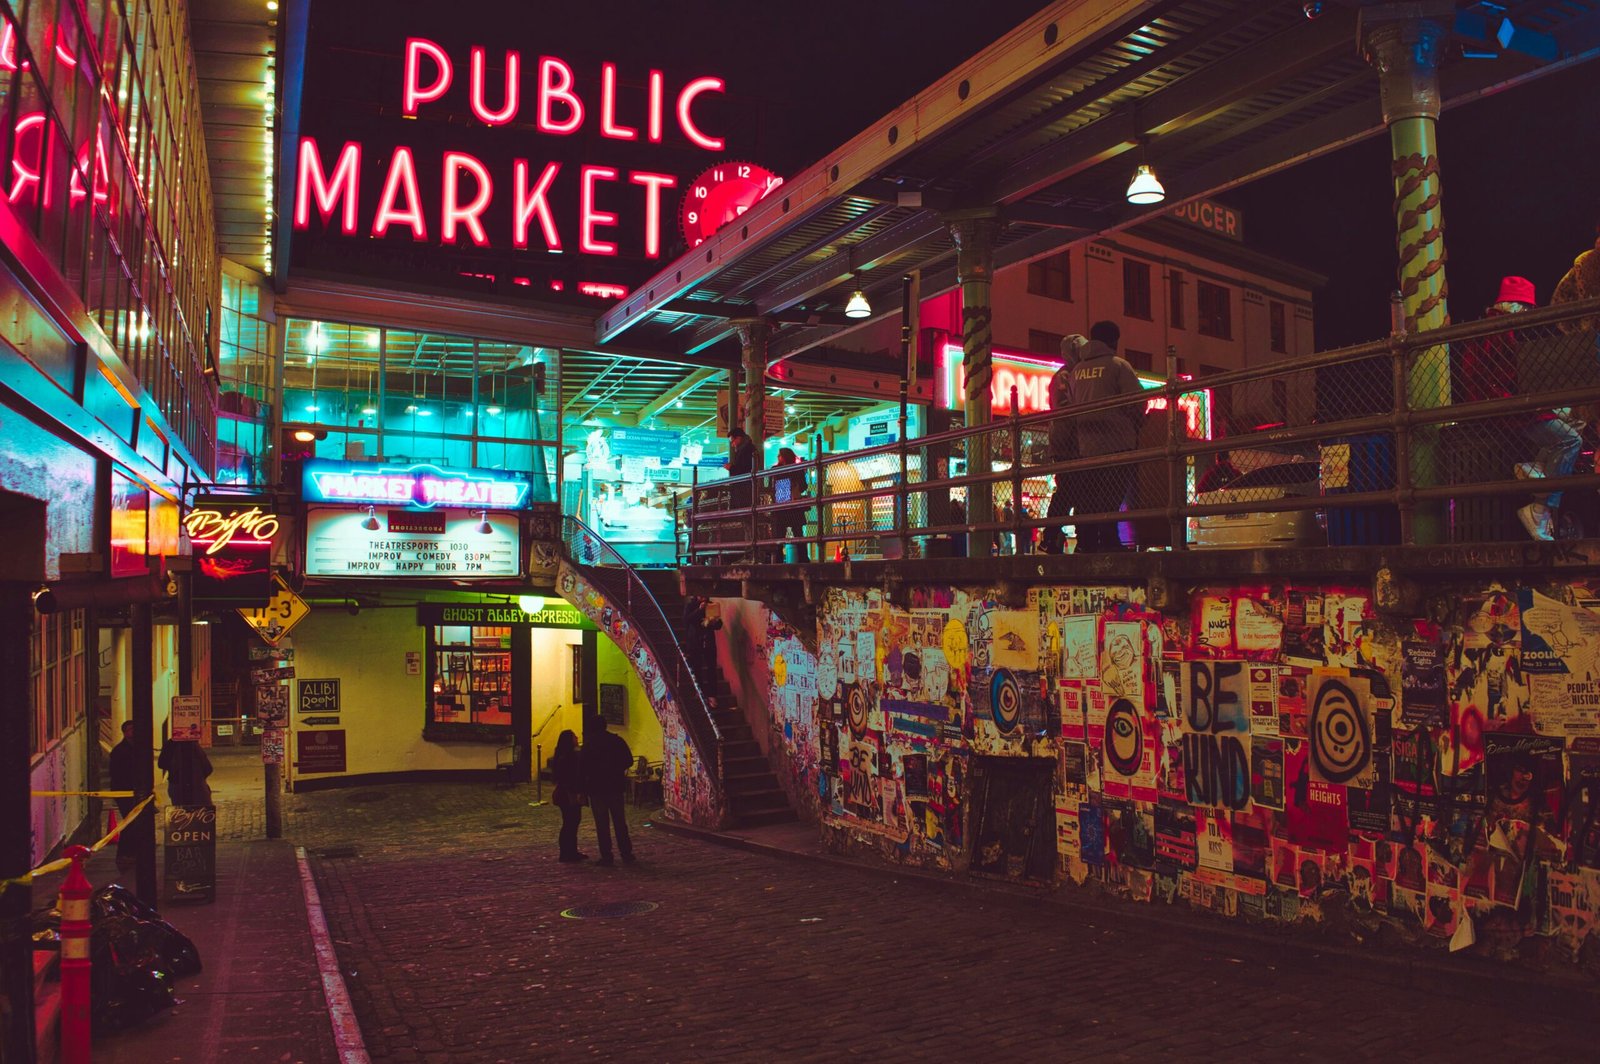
x=278, y=617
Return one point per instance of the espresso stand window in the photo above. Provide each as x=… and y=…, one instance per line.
x=470, y=686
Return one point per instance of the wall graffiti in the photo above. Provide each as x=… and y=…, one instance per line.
x=1272, y=753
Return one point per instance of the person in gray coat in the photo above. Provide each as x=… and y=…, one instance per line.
x=1102, y=374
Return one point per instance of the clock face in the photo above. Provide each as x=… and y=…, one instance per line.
x=720, y=195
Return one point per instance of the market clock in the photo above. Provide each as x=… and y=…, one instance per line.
x=720, y=195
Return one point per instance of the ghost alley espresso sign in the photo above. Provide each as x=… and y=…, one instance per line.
x=522, y=189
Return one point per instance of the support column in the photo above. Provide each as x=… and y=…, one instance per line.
x=16, y=835
x=974, y=236
x=1402, y=41
x=753, y=336
x=141, y=680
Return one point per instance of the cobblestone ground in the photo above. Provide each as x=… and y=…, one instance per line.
x=447, y=920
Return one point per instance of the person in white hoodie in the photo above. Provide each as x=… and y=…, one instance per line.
x=1102, y=374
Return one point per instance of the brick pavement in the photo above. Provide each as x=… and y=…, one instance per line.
x=448, y=926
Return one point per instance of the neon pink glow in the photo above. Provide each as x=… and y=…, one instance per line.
x=557, y=286
x=523, y=281
x=63, y=53
x=312, y=182
x=588, y=216
x=22, y=175
x=402, y=180
x=102, y=175
x=602, y=289
x=531, y=202
x=686, y=119
x=508, y=110
x=555, y=83
x=608, y=106
x=454, y=213
x=657, y=79
x=653, y=184
x=8, y=46
x=415, y=95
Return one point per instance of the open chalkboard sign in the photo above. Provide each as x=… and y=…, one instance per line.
x=190, y=843
x=614, y=703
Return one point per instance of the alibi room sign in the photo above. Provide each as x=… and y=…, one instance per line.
x=531, y=152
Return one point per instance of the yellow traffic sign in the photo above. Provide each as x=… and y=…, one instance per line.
x=277, y=618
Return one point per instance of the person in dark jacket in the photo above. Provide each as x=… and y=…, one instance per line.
x=124, y=769
x=1103, y=374
x=791, y=487
x=187, y=767
x=566, y=768
x=606, y=760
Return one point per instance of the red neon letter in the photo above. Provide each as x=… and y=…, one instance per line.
x=608, y=106
x=312, y=181
x=102, y=175
x=402, y=179
x=23, y=176
x=531, y=202
x=555, y=83
x=655, y=107
x=588, y=217
x=8, y=46
x=415, y=94
x=686, y=121
x=653, y=184
x=513, y=83
x=454, y=163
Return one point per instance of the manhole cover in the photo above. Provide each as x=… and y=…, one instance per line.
x=336, y=851
x=366, y=796
x=607, y=909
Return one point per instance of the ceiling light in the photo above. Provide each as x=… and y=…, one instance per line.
x=789, y=409
x=369, y=410
x=424, y=412
x=312, y=408
x=493, y=411
x=530, y=603
x=1144, y=189
x=678, y=404
x=305, y=435
x=858, y=307
x=412, y=409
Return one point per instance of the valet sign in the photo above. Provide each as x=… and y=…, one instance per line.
x=526, y=198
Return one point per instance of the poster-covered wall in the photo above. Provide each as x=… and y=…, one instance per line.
x=1272, y=753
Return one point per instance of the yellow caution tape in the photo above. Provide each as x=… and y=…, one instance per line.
x=82, y=794
x=62, y=862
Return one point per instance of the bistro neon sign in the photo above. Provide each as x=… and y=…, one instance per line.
x=418, y=487
x=329, y=183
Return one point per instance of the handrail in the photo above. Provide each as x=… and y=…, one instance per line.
x=699, y=722
x=1377, y=400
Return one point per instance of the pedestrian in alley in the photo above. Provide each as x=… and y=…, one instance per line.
x=1103, y=374
x=606, y=760
x=187, y=767
x=566, y=768
x=124, y=769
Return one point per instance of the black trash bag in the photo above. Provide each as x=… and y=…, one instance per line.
x=44, y=927
x=129, y=981
x=177, y=950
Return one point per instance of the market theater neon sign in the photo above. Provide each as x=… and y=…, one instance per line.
x=418, y=486
x=329, y=182
x=1030, y=375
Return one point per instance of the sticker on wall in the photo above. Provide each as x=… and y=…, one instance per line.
x=1340, y=734
x=1014, y=639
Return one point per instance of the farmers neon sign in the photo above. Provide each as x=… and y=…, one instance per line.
x=328, y=180
x=1030, y=375
x=418, y=486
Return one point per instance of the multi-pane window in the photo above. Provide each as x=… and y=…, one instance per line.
x=1044, y=343
x=1136, y=289
x=1139, y=360
x=1216, y=310
x=1175, y=299
x=58, y=670
x=1280, y=327
x=1051, y=276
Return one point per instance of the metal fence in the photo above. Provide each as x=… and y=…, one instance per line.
x=1444, y=436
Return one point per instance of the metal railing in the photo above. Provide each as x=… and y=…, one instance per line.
x=599, y=561
x=1421, y=438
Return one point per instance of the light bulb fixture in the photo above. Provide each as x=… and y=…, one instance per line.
x=678, y=403
x=1145, y=188
x=305, y=436
x=411, y=409
x=369, y=411
x=484, y=527
x=530, y=603
x=371, y=523
x=858, y=307
x=494, y=411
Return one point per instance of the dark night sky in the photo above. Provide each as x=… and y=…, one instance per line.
x=1519, y=168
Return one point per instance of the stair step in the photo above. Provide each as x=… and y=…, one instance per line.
x=763, y=817
x=732, y=751
x=758, y=801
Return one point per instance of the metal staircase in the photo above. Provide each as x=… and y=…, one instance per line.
x=653, y=605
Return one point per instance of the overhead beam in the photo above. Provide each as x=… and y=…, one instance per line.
x=851, y=259
x=676, y=392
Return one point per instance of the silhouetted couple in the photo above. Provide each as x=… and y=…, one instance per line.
x=599, y=772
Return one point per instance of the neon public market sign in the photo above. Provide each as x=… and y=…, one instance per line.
x=328, y=181
x=417, y=487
